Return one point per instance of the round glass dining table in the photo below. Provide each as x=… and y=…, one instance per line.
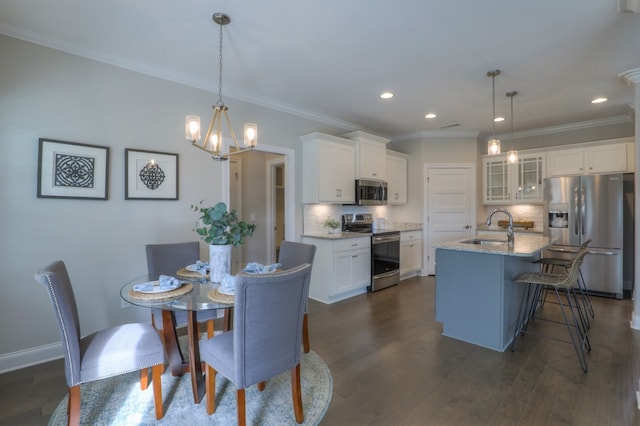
x=191, y=302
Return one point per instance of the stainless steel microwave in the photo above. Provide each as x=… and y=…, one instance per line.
x=371, y=192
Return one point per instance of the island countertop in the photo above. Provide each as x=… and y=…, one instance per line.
x=524, y=245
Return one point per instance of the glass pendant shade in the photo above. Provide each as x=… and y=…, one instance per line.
x=493, y=146
x=192, y=128
x=250, y=134
x=512, y=156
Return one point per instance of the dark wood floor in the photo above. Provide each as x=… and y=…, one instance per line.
x=391, y=366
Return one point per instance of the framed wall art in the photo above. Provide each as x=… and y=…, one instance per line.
x=72, y=170
x=150, y=175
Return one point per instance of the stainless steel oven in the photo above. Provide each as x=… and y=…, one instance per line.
x=385, y=260
x=385, y=250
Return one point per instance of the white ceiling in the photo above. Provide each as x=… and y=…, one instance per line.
x=330, y=59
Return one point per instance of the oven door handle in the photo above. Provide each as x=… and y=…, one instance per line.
x=388, y=274
x=382, y=240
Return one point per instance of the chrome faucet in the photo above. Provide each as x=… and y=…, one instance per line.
x=509, y=228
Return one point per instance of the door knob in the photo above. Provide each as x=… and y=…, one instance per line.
x=467, y=226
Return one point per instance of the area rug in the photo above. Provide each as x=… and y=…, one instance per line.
x=119, y=400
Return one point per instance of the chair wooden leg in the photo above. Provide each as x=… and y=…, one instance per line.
x=296, y=393
x=144, y=379
x=210, y=329
x=73, y=409
x=262, y=386
x=242, y=415
x=210, y=389
x=156, y=371
x=305, y=333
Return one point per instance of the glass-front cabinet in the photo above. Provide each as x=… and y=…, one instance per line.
x=505, y=183
x=496, y=180
x=529, y=178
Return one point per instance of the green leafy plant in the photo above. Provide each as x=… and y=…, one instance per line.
x=219, y=227
x=331, y=223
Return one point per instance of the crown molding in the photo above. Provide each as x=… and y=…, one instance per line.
x=452, y=134
x=618, y=119
x=630, y=77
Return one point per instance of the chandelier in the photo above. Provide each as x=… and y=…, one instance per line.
x=212, y=142
x=493, y=145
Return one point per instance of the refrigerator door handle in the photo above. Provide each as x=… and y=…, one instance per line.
x=576, y=205
x=583, y=210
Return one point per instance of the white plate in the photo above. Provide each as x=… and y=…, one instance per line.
x=193, y=268
x=226, y=292
x=154, y=287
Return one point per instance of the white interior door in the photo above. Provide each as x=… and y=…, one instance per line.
x=450, y=214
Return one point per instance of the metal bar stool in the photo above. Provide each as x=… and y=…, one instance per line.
x=548, y=266
x=531, y=305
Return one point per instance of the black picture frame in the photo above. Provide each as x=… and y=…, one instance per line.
x=150, y=175
x=72, y=170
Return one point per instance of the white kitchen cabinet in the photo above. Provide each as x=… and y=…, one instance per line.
x=505, y=183
x=410, y=253
x=341, y=267
x=371, y=155
x=608, y=158
x=396, y=177
x=328, y=169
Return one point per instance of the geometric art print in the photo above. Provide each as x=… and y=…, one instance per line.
x=152, y=176
x=74, y=171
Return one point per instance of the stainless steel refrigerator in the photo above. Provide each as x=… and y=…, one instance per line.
x=589, y=207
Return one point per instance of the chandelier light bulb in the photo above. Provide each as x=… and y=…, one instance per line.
x=192, y=128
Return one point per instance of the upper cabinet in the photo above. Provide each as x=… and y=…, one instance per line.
x=371, y=155
x=396, y=177
x=505, y=183
x=328, y=164
x=604, y=158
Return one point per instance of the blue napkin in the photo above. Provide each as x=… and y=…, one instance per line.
x=202, y=267
x=228, y=284
x=259, y=268
x=168, y=282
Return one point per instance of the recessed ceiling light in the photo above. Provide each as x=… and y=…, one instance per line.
x=599, y=100
x=498, y=119
x=386, y=95
x=430, y=115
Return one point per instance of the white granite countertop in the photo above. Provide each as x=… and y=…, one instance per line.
x=524, y=245
x=396, y=226
x=403, y=226
x=337, y=235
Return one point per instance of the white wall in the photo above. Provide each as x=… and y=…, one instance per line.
x=454, y=149
x=50, y=94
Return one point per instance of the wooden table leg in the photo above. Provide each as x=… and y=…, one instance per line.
x=195, y=367
x=227, y=321
x=176, y=363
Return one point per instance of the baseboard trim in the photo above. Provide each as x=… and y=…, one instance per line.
x=635, y=321
x=28, y=357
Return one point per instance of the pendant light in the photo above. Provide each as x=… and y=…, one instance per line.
x=493, y=145
x=212, y=142
x=512, y=155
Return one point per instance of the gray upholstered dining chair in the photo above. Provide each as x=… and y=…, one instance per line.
x=265, y=340
x=291, y=255
x=110, y=352
x=167, y=259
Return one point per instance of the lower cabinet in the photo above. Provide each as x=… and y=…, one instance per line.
x=410, y=253
x=341, y=268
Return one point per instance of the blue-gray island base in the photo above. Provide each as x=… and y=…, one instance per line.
x=477, y=300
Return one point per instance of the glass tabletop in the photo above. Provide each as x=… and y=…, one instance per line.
x=195, y=300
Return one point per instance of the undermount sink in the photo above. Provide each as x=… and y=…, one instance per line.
x=485, y=242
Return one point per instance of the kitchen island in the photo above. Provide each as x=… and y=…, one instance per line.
x=477, y=299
